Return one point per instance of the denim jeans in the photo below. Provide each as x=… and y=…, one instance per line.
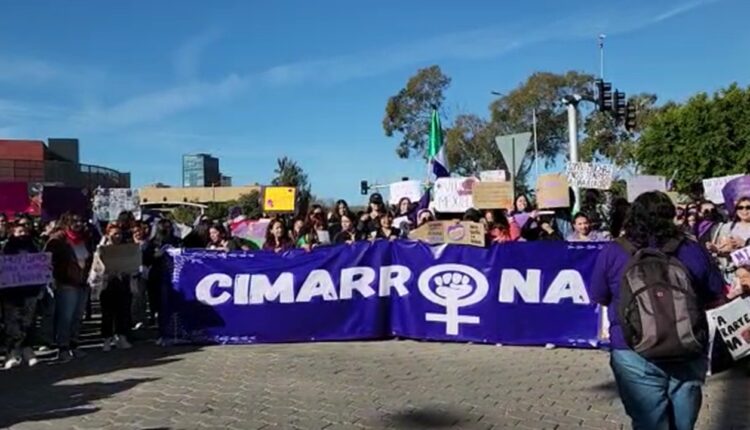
x=659, y=397
x=70, y=305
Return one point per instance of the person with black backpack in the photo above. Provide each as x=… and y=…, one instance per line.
x=657, y=283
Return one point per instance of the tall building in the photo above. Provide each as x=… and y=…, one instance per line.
x=200, y=170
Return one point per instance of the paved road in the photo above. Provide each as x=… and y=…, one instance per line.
x=359, y=385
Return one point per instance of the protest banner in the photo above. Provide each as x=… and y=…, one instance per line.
x=384, y=289
x=451, y=232
x=454, y=195
x=712, y=188
x=14, y=198
x=254, y=230
x=552, y=191
x=124, y=258
x=493, y=176
x=492, y=195
x=640, y=184
x=110, y=202
x=59, y=200
x=734, y=190
x=590, y=175
x=25, y=269
x=411, y=190
x=279, y=199
x=741, y=257
x=732, y=320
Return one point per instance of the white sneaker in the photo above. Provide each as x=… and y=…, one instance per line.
x=123, y=343
x=29, y=357
x=108, y=342
x=13, y=361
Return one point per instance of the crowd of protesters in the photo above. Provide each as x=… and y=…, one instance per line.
x=49, y=317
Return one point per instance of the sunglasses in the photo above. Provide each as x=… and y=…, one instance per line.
x=743, y=208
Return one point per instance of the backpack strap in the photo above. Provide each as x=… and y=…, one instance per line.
x=626, y=245
x=670, y=248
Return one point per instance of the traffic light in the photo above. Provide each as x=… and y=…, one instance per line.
x=364, y=189
x=630, y=117
x=619, y=106
x=604, y=95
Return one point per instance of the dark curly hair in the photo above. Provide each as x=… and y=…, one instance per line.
x=650, y=220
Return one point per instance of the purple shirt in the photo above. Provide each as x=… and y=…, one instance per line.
x=608, y=271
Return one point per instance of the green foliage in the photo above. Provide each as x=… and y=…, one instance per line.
x=185, y=214
x=470, y=146
x=702, y=138
x=219, y=210
x=290, y=174
x=407, y=113
x=251, y=205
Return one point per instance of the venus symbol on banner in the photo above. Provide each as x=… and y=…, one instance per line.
x=456, y=286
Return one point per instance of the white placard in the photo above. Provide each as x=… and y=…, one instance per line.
x=712, y=188
x=453, y=195
x=741, y=257
x=410, y=189
x=640, y=184
x=733, y=322
x=492, y=176
x=110, y=202
x=590, y=175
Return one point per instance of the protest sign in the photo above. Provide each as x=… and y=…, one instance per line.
x=110, y=202
x=590, y=175
x=279, y=199
x=712, y=188
x=25, y=269
x=59, y=200
x=493, y=195
x=733, y=323
x=452, y=232
x=640, y=184
x=492, y=176
x=411, y=190
x=121, y=258
x=454, y=195
x=734, y=190
x=741, y=257
x=254, y=230
x=552, y=191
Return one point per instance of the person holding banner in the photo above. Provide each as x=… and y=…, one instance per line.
x=386, y=229
x=347, y=234
x=657, y=394
x=71, y=262
x=583, y=231
x=156, y=262
x=502, y=229
x=219, y=239
x=19, y=304
x=277, y=237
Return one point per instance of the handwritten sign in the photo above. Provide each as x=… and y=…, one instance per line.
x=590, y=175
x=712, y=188
x=110, y=202
x=409, y=189
x=454, y=195
x=552, y=191
x=741, y=257
x=492, y=195
x=733, y=322
x=279, y=199
x=121, y=258
x=25, y=269
x=452, y=232
x=493, y=176
x=640, y=184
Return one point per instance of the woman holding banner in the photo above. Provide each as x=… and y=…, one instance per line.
x=277, y=237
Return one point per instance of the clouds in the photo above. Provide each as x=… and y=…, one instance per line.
x=187, y=57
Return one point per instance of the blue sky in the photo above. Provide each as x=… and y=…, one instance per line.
x=140, y=83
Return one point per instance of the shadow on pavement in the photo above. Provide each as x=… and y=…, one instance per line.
x=733, y=410
x=425, y=418
x=44, y=393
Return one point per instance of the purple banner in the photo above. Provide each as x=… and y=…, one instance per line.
x=520, y=293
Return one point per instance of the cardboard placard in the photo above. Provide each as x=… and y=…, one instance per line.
x=110, y=202
x=279, y=199
x=412, y=190
x=450, y=232
x=712, y=187
x=590, y=175
x=493, y=176
x=493, y=195
x=552, y=191
x=124, y=258
x=640, y=184
x=25, y=269
x=454, y=195
x=733, y=323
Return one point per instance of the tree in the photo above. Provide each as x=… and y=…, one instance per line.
x=702, y=138
x=470, y=146
x=251, y=204
x=185, y=214
x=290, y=174
x=408, y=112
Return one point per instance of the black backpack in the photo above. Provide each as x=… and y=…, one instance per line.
x=660, y=312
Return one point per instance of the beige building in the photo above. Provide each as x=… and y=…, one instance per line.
x=154, y=195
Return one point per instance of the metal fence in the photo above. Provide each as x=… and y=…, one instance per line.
x=63, y=172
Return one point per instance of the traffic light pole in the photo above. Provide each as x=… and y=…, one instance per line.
x=572, y=103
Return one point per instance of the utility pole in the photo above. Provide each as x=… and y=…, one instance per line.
x=601, y=55
x=572, y=103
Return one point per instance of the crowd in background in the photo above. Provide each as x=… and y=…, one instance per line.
x=47, y=317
